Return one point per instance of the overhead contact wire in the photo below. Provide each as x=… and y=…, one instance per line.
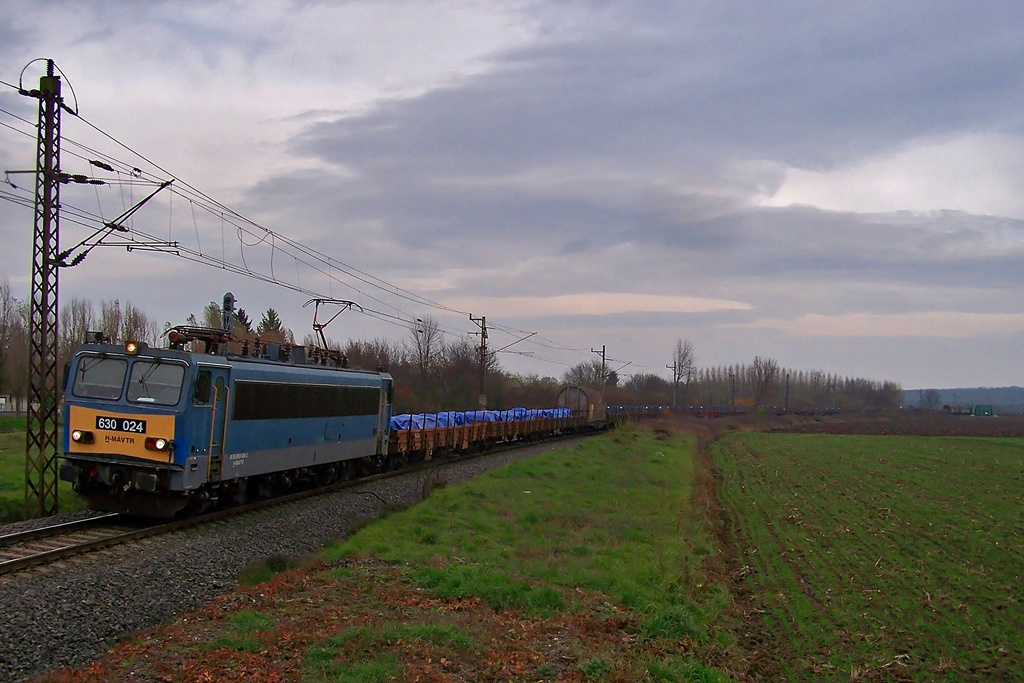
x=308, y=255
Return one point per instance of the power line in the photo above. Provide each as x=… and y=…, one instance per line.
x=85, y=218
x=352, y=271
x=19, y=118
x=212, y=206
x=130, y=176
x=65, y=142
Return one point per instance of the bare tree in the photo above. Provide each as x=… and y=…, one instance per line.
x=531, y=391
x=8, y=330
x=138, y=326
x=110, y=319
x=76, y=318
x=683, y=369
x=14, y=340
x=368, y=354
x=121, y=324
x=930, y=399
x=426, y=346
x=586, y=374
x=818, y=388
x=458, y=374
x=8, y=304
x=763, y=374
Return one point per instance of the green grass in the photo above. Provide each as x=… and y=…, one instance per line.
x=614, y=516
x=589, y=563
x=9, y=423
x=349, y=654
x=690, y=671
x=346, y=655
x=879, y=556
x=320, y=666
x=12, y=475
x=595, y=669
x=243, y=630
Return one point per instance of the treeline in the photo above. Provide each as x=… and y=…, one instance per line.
x=746, y=388
x=114, y=319
x=761, y=384
x=433, y=372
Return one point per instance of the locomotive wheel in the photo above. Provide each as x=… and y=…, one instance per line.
x=328, y=475
x=265, y=488
x=371, y=464
x=397, y=461
x=238, y=494
x=348, y=469
x=201, y=501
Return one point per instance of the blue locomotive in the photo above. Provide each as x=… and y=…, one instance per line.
x=158, y=432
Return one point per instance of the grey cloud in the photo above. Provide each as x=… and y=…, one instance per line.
x=804, y=86
x=681, y=94
x=628, y=154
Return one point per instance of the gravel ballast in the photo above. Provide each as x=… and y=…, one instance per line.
x=67, y=613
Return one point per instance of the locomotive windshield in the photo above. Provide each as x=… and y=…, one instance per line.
x=99, y=377
x=158, y=383
x=150, y=381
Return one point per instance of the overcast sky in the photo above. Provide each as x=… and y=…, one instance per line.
x=837, y=186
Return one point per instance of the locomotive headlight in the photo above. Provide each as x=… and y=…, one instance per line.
x=81, y=436
x=154, y=443
x=131, y=348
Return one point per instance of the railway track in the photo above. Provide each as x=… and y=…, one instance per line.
x=25, y=549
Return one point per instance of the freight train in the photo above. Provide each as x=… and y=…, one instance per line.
x=163, y=432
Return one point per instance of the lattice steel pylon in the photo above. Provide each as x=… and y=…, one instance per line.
x=44, y=391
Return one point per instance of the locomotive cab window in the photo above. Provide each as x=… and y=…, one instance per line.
x=99, y=377
x=157, y=383
x=202, y=390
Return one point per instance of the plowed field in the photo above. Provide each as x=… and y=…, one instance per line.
x=910, y=423
x=878, y=557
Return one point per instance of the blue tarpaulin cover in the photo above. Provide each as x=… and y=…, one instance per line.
x=482, y=416
x=453, y=418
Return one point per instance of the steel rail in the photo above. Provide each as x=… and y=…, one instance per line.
x=38, y=557
x=53, y=529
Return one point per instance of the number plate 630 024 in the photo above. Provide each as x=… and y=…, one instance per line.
x=121, y=424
